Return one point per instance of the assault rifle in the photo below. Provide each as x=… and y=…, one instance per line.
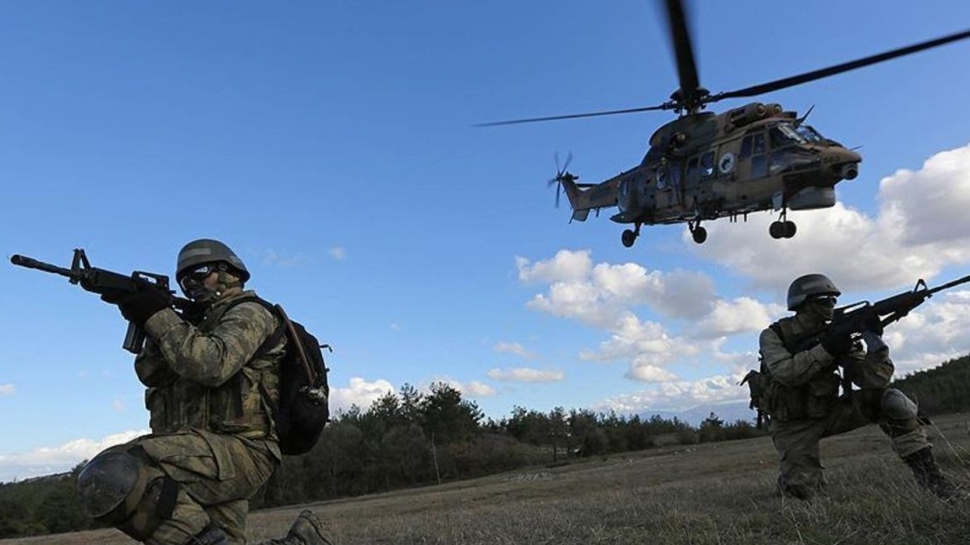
x=102, y=281
x=864, y=316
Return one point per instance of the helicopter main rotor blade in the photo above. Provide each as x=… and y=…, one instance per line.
x=664, y=106
x=684, y=51
x=839, y=68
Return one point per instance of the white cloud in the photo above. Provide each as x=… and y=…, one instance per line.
x=395, y=326
x=359, y=392
x=7, y=389
x=679, y=395
x=338, y=253
x=479, y=389
x=566, y=266
x=50, y=460
x=514, y=348
x=526, y=374
x=118, y=406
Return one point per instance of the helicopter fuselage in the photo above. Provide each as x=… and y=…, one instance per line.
x=706, y=166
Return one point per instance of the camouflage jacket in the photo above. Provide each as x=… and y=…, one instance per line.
x=209, y=376
x=805, y=383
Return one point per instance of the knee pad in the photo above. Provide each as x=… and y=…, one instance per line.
x=896, y=406
x=108, y=480
x=119, y=489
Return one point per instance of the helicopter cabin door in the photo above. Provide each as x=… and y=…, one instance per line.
x=669, y=182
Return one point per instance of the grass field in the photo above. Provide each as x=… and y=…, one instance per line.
x=714, y=493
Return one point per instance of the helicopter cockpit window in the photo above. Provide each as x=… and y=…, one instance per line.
x=707, y=164
x=810, y=134
x=784, y=135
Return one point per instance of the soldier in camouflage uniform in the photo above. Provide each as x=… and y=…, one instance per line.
x=211, y=386
x=802, y=397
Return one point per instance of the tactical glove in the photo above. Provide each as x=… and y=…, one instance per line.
x=873, y=323
x=837, y=344
x=138, y=307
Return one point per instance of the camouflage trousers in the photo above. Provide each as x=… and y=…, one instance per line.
x=216, y=475
x=796, y=441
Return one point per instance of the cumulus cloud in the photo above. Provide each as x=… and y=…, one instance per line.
x=359, y=392
x=525, y=374
x=678, y=395
x=281, y=258
x=478, y=389
x=50, y=460
x=7, y=389
x=612, y=297
x=514, y=348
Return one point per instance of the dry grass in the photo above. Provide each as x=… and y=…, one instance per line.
x=709, y=494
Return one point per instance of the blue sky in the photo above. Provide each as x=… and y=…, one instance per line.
x=331, y=144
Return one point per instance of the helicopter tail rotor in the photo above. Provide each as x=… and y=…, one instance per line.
x=562, y=176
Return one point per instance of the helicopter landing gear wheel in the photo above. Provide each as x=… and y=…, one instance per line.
x=782, y=229
x=630, y=236
x=698, y=233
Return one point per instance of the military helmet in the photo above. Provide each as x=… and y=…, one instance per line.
x=807, y=286
x=207, y=250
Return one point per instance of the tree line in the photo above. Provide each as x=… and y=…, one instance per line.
x=408, y=439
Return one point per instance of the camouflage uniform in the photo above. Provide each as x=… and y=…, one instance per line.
x=804, y=403
x=212, y=434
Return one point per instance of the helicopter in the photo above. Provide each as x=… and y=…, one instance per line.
x=704, y=165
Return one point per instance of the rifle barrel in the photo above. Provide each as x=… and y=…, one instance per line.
x=949, y=285
x=31, y=263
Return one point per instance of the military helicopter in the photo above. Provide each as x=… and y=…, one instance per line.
x=703, y=166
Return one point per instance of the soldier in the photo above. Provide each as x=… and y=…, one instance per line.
x=802, y=397
x=211, y=384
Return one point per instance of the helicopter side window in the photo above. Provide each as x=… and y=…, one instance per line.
x=707, y=164
x=746, y=147
x=758, y=143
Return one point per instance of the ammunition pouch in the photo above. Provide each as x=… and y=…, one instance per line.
x=812, y=400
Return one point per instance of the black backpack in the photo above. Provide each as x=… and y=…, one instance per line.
x=303, y=408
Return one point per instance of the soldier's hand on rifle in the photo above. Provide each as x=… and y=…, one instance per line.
x=837, y=344
x=873, y=323
x=138, y=307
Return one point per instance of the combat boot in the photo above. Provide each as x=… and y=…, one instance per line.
x=929, y=476
x=306, y=530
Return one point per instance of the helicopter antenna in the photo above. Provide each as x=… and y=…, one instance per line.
x=802, y=119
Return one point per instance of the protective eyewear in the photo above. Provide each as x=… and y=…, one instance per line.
x=197, y=274
x=829, y=300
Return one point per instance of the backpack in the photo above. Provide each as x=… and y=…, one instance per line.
x=303, y=409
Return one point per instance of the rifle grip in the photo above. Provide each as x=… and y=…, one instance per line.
x=134, y=339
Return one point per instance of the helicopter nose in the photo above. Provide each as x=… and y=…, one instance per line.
x=844, y=163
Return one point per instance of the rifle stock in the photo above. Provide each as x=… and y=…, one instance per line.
x=102, y=281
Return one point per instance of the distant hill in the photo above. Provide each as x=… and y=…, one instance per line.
x=727, y=412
